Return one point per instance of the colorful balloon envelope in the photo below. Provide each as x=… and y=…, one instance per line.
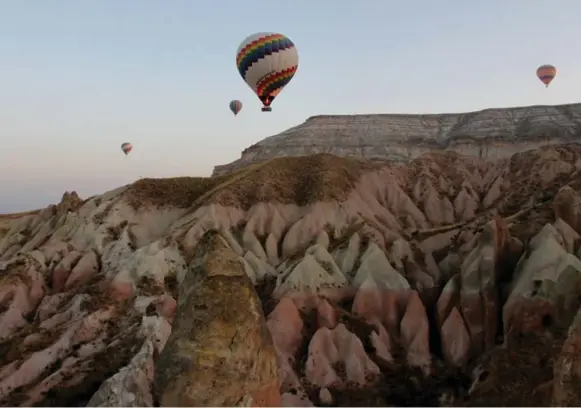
x=267, y=62
x=126, y=148
x=546, y=73
x=235, y=106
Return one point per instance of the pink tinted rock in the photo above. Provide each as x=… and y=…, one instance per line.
x=381, y=304
x=121, y=290
x=358, y=365
x=480, y=312
x=70, y=311
x=326, y=315
x=59, y=278
x=289, y=379
x=37, y=364
x=310, y=299
x=37, y=289
x=294, y=399
x=369, y=304
x=19, y=305
x=10, y=321
x=415, y=332
x=322, y=355
x=92, y=325
x=455, y=339
x=567, y=368
x=479, y=303
x=448, y=299
x=7, y=292
x=566, y=206
x=501, y=234
x=61, y=272
x=84, y=270
x=166, y=307
x=266, y=397
x=329, y=347
x=68, y=376
x=49, y=305
x=9, y=369
x=472, y=309
x=32, y=338
x=285, y=326
x=325, y=396
x=381, y=341
x=527, y=315
x=21, y=299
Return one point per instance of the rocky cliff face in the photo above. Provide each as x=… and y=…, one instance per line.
x=303, y=281
x=488, y=134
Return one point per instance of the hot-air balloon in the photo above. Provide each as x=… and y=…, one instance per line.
x=235, y=106
x=126, y=148
x=267, y=62
x=546, y=73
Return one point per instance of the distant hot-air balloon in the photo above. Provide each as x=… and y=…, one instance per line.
x=267, y=62
x=546, y=74
x=126, y=147
x=235, y=106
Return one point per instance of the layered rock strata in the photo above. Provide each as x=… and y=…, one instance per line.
x=489, y=134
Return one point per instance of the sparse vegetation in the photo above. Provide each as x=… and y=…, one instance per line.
x=286, y=180
x=114, y=232
x=147, y=286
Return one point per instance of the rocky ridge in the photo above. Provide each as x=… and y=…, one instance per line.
x=487, y=134
x=302, y=281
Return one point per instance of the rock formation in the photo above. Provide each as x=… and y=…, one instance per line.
x=487, y=134
x=301, y=281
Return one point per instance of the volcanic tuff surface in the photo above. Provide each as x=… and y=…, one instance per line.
x=300, y=281
x=488, y=134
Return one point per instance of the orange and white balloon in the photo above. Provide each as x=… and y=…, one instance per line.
x=546, y=73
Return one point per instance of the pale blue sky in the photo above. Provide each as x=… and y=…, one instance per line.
x=78, y=78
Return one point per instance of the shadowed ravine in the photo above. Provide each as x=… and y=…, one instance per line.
x=302, y=281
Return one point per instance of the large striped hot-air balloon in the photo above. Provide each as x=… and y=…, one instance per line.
x=267, y=62
x=235, y=106
x=126, y=148
x=546, y=73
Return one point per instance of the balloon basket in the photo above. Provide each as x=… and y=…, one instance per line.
x=266, y=109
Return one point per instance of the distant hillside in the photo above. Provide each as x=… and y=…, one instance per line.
x=488, y=134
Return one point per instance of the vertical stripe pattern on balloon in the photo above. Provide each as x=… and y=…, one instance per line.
x=235, y=106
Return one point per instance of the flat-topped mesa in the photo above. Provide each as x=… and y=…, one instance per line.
x=489, y=134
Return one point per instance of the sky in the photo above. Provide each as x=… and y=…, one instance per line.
x=78, y=78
